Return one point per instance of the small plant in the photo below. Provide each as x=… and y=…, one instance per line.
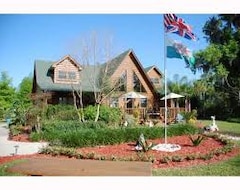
x=191, y=157
x=113, y=158
x=80, y=156
x=165, y=159
x=151, y=159
x=142, y=157
x=143, y=144
x=177, y=158
x=91, y=155
x=197, y=140
x=190, y=117
x=207, y=156
x=218, y=152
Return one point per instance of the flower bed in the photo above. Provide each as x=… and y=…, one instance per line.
x=208, y=151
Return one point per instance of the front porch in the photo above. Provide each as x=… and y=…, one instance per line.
x=144, y=114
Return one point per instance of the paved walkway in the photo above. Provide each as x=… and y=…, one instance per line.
x=8, y=148
x=75, y=167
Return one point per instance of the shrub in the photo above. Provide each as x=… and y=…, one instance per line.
x=75, y=134
x=61, y=112
x=15, y=130
x=110, y=115
x=191, y=157
x=177, y=158
x=165, y=159
x=131, y=120
x=207, y=156
x=107, y=114
x=234, y=120
x=190, y=117
x=196, y=140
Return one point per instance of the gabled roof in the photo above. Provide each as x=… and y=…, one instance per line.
x=42, y=72
x=89, y=75
x=147, y=69
x=115, y=62
x=73, y=61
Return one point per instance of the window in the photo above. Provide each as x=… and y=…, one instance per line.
x=123, y=82
x=143, y=102
x=72, y=75
x=155, y=81
x=62, y=100
x=62, y=75
x=137, y=85
x=129, y=103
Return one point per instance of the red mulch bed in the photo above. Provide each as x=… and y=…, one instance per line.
x=127, y=150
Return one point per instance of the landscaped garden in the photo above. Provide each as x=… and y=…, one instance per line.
x=200, y=154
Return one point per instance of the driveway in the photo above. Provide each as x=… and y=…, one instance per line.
x=8, y=148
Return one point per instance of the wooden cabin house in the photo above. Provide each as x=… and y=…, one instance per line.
x=61, y=78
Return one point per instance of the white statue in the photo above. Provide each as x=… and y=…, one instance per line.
x=213, y=127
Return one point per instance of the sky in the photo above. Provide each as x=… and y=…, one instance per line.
x=25, y=38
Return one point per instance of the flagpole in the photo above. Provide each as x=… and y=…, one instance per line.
x=165, y=87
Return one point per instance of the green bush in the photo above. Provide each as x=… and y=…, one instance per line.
x=72, y=125
x=107, y=114
x=189, y=116
x=75, y=135
x=110, y=115
x=61, y=112
x=234, y=120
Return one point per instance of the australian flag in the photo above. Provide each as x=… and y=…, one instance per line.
x=174, y=24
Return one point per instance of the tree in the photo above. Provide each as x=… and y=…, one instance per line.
x=23, y=100
x=220, y=62
x=7, y=94
x=24, y=91
x=93, y=53
x=181, y=86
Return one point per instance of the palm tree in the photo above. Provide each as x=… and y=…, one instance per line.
x=181, y=86
x=232, y=20
x=212, y=29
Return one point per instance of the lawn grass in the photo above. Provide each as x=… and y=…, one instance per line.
x=4, y=167
x=230, y=167
x=225, y=127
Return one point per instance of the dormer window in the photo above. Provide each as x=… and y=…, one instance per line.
x=69, y=76
x=62, y=75
x=155, y=81
x=72, y=75
x=66, y=71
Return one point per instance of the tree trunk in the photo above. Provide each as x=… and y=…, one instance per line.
x=98, y=113
x=75, y=106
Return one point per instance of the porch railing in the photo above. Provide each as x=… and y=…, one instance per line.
x=140, y=111
x=171, y=112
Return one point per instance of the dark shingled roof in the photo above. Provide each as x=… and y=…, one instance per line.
x=45, y=81
x=148, y=68
x=115, y=62
x=152, y=67
x=89, y=73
